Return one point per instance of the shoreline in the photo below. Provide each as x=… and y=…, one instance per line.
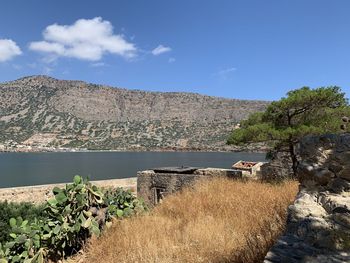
x=77, y=150
x=40, y=193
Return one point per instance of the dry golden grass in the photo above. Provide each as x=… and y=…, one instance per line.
x=220, y=220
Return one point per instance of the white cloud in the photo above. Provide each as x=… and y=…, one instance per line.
x=171, y=60
x=48, y=47
x=17, y=67
x=226, y=71
x=8, y=50
x=86, y=39
x=47, y=70
x=32, y=65
x=225, y=74
x=98, y=64
x=160, y=50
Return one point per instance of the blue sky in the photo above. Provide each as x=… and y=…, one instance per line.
x=236, y=49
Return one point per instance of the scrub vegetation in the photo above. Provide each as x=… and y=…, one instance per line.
x=62, y=226
x=14, y=210
x=220, y=220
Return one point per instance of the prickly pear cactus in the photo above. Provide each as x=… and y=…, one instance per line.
x=73, y=214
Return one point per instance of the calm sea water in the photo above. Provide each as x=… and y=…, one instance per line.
x=20, y=169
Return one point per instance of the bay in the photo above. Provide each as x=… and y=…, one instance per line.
x=23, y=169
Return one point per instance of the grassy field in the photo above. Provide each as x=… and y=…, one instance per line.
x=218, y=221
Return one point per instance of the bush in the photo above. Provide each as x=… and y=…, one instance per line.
x=14, y=210
x=70, y=218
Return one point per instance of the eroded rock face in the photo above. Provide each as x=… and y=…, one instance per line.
x=318, y=227
x=75, y=114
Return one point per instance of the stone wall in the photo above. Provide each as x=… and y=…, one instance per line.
x=278, y=168
x=152, y=186
x=40, y=193
x=318, y=226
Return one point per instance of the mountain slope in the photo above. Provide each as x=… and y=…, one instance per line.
x=42, y=111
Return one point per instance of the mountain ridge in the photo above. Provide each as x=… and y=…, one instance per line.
x=44, y=111
x=126, y=89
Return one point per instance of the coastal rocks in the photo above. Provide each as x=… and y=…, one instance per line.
x=318, y=226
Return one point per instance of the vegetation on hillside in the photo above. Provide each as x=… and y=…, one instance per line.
x=74, y=214
x=220, y=220
x=304, y=111
x=42, y=111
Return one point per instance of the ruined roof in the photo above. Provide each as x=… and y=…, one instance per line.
x=176, y=170
x=244, y=164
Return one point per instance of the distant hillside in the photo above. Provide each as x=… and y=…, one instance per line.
x=44, y=111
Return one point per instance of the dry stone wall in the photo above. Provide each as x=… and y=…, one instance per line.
x=278, y=168
x=318, y=227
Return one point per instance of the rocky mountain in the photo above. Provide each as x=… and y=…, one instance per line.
x=43, y=111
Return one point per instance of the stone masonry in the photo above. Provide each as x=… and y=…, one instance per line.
x=318, y=226
x=153, y=185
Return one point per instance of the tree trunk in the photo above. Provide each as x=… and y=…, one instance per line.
x=291, y=148
x=293, y=158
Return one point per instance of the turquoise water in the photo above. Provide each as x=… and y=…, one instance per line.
x=20, y=169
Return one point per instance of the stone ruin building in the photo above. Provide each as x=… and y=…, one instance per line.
x=153, y=185
x=250, y=169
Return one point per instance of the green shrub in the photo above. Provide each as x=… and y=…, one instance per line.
x=122, y=203
x=13, y=210
x=69, y=219
x=25, y=245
